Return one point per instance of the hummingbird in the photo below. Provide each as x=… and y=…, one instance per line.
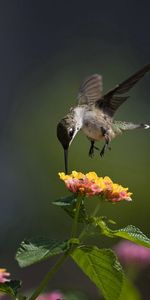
x=94, y=113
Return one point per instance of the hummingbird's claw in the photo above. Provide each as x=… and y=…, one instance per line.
x=102, y=152
x=96, y=148
x=106, y=146
x=91, y=151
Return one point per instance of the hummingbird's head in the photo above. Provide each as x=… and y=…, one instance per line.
x=65, y=133
x=67, y=128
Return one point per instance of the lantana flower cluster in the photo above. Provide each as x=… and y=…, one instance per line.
x=3, y=275
x=91, y=185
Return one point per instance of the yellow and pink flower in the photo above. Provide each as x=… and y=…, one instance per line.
x=91, y=185
x=3, y=275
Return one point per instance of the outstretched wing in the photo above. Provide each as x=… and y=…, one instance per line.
x=90, y=90
x=112, y=100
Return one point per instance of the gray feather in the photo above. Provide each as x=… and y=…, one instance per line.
x=111, y=100
x=90, y=90
x=114, y=104
x=129, y=126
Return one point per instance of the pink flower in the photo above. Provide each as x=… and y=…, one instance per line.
x=91, y=185
x=84, y=187
x=55, y=295
x=132, y=254
x=4, y=275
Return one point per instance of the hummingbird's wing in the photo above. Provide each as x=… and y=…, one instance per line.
x=90, y=90
x=112, y=100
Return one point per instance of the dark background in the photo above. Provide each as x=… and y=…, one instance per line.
x=46, y=50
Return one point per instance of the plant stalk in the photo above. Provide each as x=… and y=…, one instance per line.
x=59, y=263
x=48, y=276
x=83, y=232
x=75, y=223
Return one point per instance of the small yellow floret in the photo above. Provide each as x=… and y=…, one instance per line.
x=77, y=175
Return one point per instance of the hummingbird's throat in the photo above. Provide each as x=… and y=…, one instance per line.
x=78, y=116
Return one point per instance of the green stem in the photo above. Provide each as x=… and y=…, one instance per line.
x=83, y=232
x=75, y=223
x=58, y=264
x=48, y=276
x=96, y=210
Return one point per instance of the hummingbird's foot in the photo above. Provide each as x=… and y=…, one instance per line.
x=106, y=146
x=91, y=151
x=103, y=151
x=96, y=148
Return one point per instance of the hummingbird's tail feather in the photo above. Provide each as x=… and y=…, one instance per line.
x=130, y=126
x=146, y=126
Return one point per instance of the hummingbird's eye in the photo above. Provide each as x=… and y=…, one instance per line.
x=71, y=132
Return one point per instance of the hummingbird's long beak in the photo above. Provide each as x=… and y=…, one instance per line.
x=66, y=160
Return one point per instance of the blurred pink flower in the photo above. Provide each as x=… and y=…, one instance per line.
x=132, y=254
x=55, y=295
x=4, y=275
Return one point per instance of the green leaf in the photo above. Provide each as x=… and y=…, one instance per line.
x=10, y=288
x=65, y=201
x=39, y=249
x=68, y=204
x=129, y=291
x=133, y=234
x=129, y=232
x=102, y=267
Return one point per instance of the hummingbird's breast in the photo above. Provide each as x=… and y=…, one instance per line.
x=95, y=122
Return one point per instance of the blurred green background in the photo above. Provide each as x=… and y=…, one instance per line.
x=47, y=49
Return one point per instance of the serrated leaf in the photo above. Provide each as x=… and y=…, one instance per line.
x=133, y=234
x=102, y=267
x=39, y=249
x=65, y=201
x=129, y=232
x=10, y=288
x=68, y=204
